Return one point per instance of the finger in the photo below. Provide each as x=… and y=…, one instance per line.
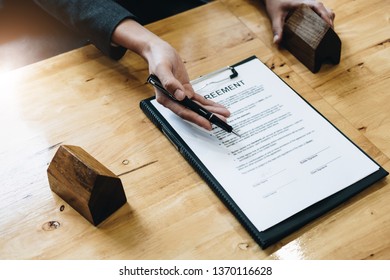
x=204, y=101
x=170, y=83
x=277, y=28
x=183, y=112
x=212, y=106
x=215, y=108
x=326, y=14
x=332, y=15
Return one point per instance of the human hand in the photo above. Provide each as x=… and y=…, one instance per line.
x=166, y=64
x=278, y=10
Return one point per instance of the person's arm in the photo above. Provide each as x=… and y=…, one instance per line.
x=166, y=64
x=113, y=30
x=278, y=10
x=96, y=20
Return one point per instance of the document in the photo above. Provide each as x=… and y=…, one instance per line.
x=288, y=156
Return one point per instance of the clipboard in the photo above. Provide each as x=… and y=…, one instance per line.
x=278, y=231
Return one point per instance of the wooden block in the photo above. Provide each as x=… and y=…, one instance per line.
x=310, y=39
x=85, y=184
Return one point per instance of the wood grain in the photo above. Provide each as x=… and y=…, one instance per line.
x=310, y=39
x=85, y=99
x=85, y=184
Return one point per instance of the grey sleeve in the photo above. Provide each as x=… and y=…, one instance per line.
x=94, y=19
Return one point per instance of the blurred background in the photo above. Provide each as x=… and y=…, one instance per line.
x=28, y=34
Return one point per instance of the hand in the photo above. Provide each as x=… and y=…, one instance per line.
x=278, y=10
x=166, y=64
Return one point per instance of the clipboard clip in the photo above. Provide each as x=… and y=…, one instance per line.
x=233, y=75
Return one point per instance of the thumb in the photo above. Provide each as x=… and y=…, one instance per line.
x=179, y=94
x=277, y=28
x=170, y=83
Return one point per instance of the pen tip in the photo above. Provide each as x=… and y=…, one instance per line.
x=235, y=133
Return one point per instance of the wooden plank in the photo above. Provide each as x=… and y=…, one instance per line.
x=82, y=98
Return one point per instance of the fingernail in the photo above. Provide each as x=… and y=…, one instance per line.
x=276, y=38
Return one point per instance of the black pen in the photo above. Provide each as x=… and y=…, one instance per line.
x=193, y=106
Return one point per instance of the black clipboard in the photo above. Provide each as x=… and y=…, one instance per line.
x=279, y=231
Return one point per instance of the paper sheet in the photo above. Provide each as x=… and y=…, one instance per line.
x=288, y=157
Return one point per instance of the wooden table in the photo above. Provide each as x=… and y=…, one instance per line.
x=83, y=98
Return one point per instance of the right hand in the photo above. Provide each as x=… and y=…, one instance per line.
x=166, y=64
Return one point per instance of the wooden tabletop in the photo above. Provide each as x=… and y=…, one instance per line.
x=85, y=99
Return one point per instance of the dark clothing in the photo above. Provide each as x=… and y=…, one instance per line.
x=97, y=19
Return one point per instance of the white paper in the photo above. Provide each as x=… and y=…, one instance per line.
x=288, y=157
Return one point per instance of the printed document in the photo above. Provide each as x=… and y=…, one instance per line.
x=288, y=156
